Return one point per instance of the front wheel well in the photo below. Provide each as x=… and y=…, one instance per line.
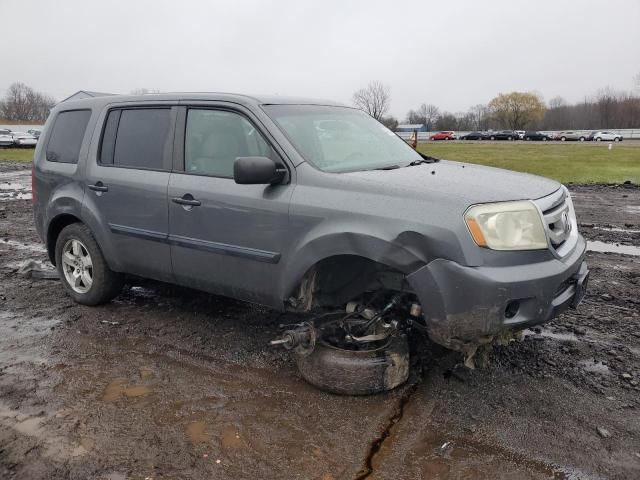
x=55, y=227
x=335, y=280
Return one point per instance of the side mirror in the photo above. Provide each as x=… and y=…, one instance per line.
x=257, y=171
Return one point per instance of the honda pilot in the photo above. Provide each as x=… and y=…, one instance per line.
x=308, y=206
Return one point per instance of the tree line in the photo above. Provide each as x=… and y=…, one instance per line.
x=514, y=111
x=22, y=103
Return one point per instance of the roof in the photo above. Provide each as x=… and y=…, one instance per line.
x=103, y=99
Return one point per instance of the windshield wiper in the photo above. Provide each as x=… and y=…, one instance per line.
x=388, y=167
x=420, y=161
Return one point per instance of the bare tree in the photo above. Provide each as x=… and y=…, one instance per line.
x=390, y=122
x=374, y=99
x=23, y=103
x=606, y=101
x=480, y=116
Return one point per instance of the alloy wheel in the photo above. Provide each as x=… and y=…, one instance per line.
x=77, y=266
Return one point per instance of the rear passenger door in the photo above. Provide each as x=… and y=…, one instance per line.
x=127, y=188
x=225, y=238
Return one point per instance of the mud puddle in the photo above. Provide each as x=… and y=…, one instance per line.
x=616, y=229
x=546, y=333
x=18, y=245
x=15, y=185
x=602, y=247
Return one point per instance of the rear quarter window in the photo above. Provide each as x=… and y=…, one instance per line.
x=66, y=136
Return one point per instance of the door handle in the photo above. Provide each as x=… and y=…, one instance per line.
x=98, y=187
x=186, y=200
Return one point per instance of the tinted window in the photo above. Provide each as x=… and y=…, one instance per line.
x=215, y=138
x=109, y=137
x=66, y=136
x=142, y=138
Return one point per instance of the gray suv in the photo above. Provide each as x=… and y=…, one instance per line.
x=308, y=206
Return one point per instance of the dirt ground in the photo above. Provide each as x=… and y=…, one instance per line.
x=166, y=382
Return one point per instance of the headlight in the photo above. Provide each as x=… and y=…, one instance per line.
x=506, y=226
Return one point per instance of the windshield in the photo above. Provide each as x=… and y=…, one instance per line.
x=340, y=139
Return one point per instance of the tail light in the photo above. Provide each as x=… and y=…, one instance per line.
x=33, y=184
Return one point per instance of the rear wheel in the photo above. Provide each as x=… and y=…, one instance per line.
x=582, y=139
x=493, y=138
x=598, y=139
x=615, y=139
x=563, y=139
x=82, y=267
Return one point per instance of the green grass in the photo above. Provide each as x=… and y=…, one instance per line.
x=16, y=154
x=565, y=162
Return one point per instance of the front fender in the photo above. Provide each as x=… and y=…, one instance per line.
x=405, y=253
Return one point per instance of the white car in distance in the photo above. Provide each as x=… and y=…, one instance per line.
x=21, y=139
x=607, y=136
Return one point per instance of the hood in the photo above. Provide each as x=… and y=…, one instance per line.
x=469, y=183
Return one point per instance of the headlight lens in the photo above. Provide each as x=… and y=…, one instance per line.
x=506, y=226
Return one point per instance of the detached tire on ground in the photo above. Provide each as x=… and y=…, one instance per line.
x=352, y=372
x=82, y=268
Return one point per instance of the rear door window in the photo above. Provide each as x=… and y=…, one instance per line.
x=137, y=138
x=66, y=136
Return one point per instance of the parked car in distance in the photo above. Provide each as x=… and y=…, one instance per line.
x=22, y=139
x=503, y=135
x=473, y=136
x=307, y=206
x=34, y=132
x=443, y=135
x=571, y=135
x=536, y=136
x=606, y=136
x=6, y=140
x=520, y=134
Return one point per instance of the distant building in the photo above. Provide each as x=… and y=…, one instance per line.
x=410, y=127
x=80, y=94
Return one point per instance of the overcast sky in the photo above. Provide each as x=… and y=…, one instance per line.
x=453, y=54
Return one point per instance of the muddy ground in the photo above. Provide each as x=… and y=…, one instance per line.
x=166, y=382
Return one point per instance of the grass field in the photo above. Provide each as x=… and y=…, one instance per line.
x=566, y=162
x=16, y=154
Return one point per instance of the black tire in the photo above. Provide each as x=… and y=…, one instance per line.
x=350, y=372
x=106, y=284
x=493, y=138
x=598, y=139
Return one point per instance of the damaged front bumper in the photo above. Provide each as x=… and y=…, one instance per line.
x=465, y=306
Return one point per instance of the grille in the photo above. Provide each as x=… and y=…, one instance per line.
x=559, y=221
